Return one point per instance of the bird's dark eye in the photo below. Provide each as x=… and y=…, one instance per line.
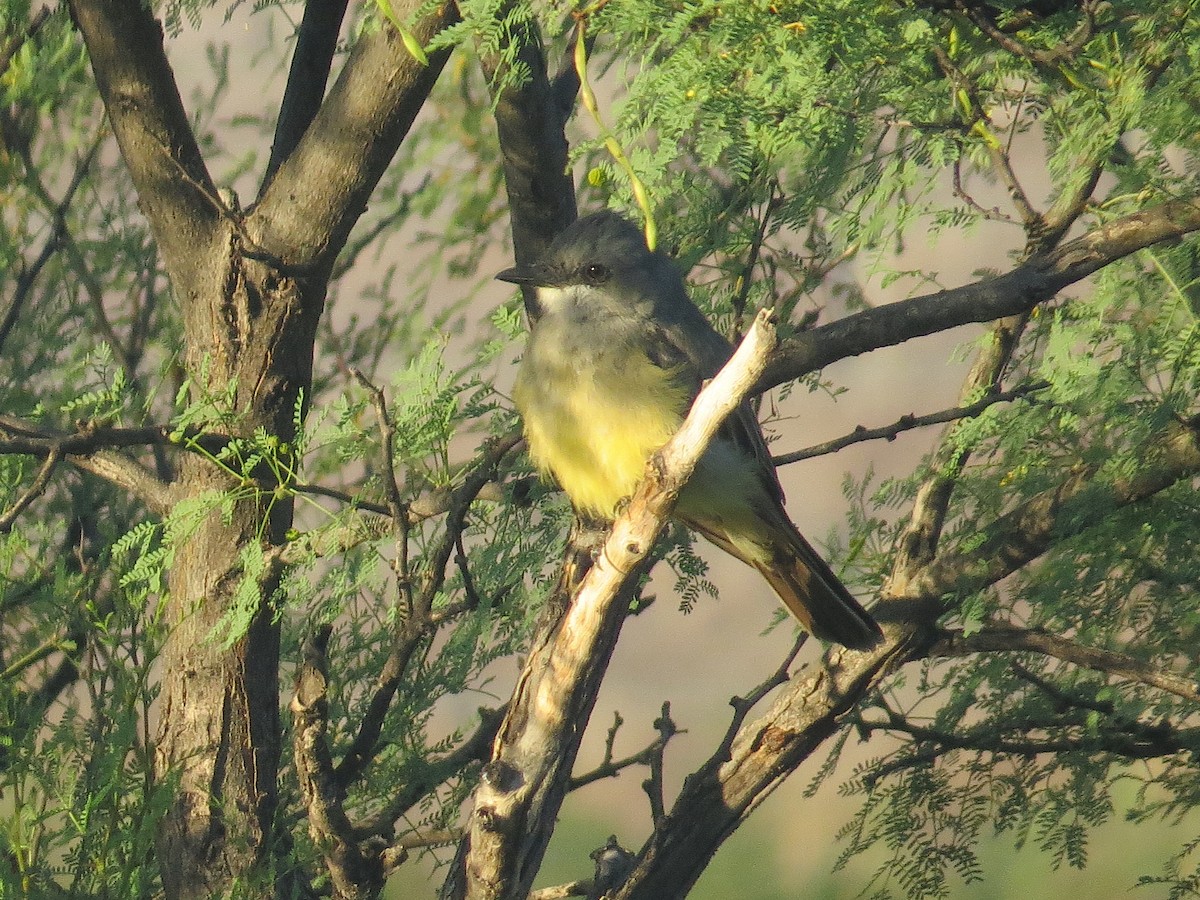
x=595, y=273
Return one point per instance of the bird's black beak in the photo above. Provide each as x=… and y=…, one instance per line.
x=526, y=275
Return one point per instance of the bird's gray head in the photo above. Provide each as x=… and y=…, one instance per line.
x=606, y=254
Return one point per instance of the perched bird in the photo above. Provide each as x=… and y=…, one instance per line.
x=617, y=352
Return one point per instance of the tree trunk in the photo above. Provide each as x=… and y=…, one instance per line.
x=219, y=729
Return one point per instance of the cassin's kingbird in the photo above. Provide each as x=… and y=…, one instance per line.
x=617, y=353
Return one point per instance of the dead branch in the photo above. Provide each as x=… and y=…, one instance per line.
x=521, y=789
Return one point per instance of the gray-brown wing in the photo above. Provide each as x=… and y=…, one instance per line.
x=688, y=343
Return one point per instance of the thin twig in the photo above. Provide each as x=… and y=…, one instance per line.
x=909, y=422
x=743, y=705
x=774, y=198
x=58, y=226
x=35, y=489
x=387, y=432
x=610, y=767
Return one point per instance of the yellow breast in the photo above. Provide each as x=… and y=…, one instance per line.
x=593, y=428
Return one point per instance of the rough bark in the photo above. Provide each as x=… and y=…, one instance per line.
x=251, y=289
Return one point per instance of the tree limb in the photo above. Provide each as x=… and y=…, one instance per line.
x=355, y=867
x=316, y=42
x=153, y=130
x=716, y=798
x=35, y=490
x=910, y=422
x=530, y=118
x=521, y=789
x=1145, y=744
x=1034, y=281
x=91, y=450
x=57, y=213
x=1025, y=533
x=1001, y=638
x=349, y=144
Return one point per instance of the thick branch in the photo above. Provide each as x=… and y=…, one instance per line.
x=316, y=41
x=355, y=868
x=125, y=44
x=1020, y=290
x=715, y=799
x=319, y=191
x=91, y=450
x=522, y=788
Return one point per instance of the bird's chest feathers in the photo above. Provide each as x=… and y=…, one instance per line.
x=594, y=411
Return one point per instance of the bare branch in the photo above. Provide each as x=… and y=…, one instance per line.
x=653, y=785
x=1001, y=639
x=1032, y=282
x=27, y=275
x=417, y=624
x=742, y=706
x=908, y=423
x=717, y=797
x=521, y=789
x=1059, y=738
